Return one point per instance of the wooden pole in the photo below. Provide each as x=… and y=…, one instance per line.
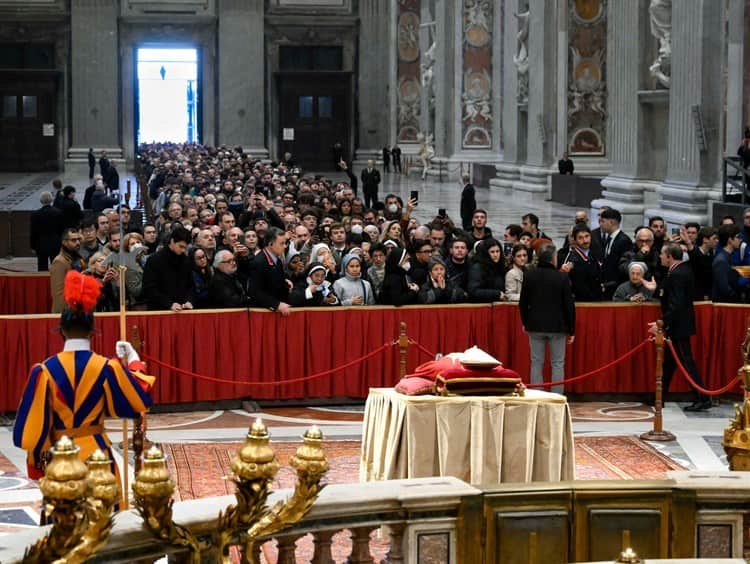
x=403, y=345
x=124, y=337
x=658, y=433
x=139, y=427
x=532, y=548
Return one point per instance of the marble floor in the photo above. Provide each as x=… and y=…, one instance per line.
x=20, y=191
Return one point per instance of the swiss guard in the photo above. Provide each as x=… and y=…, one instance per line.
x=71, y=392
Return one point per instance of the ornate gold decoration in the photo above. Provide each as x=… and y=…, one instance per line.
x=736, y=441
x=310, y=463
x=629, y=555
x=153, y=489
x=103, y=492
x=63, y=499
x=254, y=468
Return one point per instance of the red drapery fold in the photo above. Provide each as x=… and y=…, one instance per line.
x=257, y=345
x=21, y=294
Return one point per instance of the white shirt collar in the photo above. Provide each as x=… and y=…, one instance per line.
x=77, y=345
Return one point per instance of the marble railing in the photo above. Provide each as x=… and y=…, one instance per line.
x=444, y=520
x=409, y=520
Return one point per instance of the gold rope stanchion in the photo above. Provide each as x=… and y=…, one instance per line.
x=403, y=345
x=658, y=433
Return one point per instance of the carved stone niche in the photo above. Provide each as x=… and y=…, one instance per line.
x=172, y=8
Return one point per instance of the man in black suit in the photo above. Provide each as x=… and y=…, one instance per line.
x=548, y=314
x=582, y=268
x=112, y=178
x=92, y=162
x=104, y=165
x=167, y=274
x=565, y=165
x=387, y=158
x=468, y=202
x=370, y=181
x=614, y=244
x=396, y=156
x=597, y=237
x=46, y=232
x=70, y=208
x=678, y=316
x=269, y=284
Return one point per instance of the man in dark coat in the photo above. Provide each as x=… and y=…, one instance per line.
x=92, y=162
x=615, y=243
x=370, y=181
x=46, y=232
x=167, y=275
x=104, y=165
x=582, y=267
x=468, y=202
x=678, y=317
x=70, y=208
x=225, y=288
x=112, y=179
x=548, y=314
x=269, y=284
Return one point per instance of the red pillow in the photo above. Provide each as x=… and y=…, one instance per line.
x=414, y=386
x=450, y=368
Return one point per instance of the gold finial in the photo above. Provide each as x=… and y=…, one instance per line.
x=310, y=457
x=313, y=433
x=628, y=555
x=256, y=458
x=102, y=483
x=64, y=444
x=736, y=441
x=154, y=453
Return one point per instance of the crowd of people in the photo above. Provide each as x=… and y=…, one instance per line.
x=232, y=231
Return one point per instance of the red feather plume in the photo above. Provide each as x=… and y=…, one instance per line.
x=81, y=292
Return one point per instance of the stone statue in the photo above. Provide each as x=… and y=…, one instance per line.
x=660, y=12
x=426, y=152
x=428, y=73
x=521, y=58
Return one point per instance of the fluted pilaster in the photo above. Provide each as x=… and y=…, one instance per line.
x=692, y=170
x=374, y=76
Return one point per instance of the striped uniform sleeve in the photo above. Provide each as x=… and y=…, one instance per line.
x=33, y=426
x=124, y=391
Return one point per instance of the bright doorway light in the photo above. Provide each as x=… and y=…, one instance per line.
x=167, y=95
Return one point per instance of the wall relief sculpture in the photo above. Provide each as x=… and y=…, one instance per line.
x=409, y=74
x=660, y=14
x=521, y=58
x=476, y=95
x=587, y=85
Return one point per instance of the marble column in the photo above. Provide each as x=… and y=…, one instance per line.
x=623, y=189
x=95, y=107
x=542, y=45
x=693, y=165
x=735, y=61
x=513, y=111
x=241, y=97
x=373, y=78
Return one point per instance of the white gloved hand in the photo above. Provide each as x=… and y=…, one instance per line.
x=126, y=350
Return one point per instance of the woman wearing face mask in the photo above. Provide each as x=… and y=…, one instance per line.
x=514, y=277
x=487, y=273
x=398, y=289
x=438, y=289
x=315, y=291
x=352, y=289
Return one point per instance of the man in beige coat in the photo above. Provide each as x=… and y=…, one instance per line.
x=68, y=259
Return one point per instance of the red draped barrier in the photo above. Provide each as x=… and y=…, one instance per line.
x=261, y=346
x=21, y=294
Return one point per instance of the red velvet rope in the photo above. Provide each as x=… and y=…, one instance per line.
x=628, y=354
x=274, y=383
x=692, y=382
x=569, y=380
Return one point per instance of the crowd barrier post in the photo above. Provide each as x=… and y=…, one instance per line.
x=403, y=345
x=127, y=191
x=658, y=433
x=139, y=427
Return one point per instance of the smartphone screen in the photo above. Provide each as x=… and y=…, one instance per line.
x=414, y=195
x=675, y=231
x=441, y=212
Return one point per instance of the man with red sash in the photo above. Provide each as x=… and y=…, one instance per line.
x=71, y=392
